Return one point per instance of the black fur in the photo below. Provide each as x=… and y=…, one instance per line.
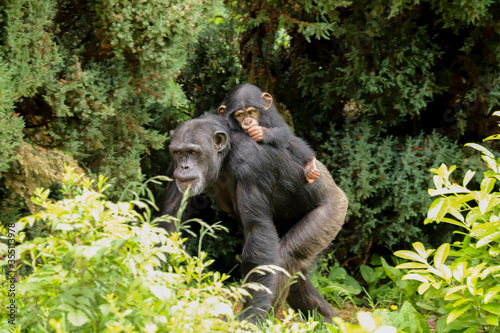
x=286, y=221
x=278, y=134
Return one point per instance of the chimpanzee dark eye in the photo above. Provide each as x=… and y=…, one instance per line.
x=194, y=153
x=239, y=114
x=178, y=153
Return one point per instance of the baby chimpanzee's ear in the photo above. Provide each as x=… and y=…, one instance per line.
x=221, y=111
x=267, y=100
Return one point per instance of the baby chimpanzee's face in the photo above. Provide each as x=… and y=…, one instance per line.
x=248, y=117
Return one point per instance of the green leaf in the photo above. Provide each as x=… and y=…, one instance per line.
x=368, y=274
x=457, y=312
x=420, y=248
x=493, y=308
x=423, y=288
x=487, y=184
x=480, y=148
x=453, y=290
x=451, y=221
x=492, y=137
x=488, y=239
x=492, y=319
x=490, y=293
x=441, y=255
x=78, y=318
x=459, y=271
x=416, y=277
x=468, y=176
x=412, y=265
x=405, y=254
x=484, y=201
x=438, y=208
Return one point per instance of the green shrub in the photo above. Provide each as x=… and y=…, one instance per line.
x=104, y=267
x=465, y=273
x=99, y=270
x=86, y=80
x=384, y=181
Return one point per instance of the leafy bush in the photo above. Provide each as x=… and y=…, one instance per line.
x=334, y=283
x=465, y=273
x=106, y=268
x=99, y=271
x=420, y=61
x=85, y=80
x=384, y=181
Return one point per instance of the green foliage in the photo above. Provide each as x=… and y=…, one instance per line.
x=213, y=65
x=407, y=319
x=10, y=125
x=104, y=267
x=386, y=288
x=395, y=60
x=334, y=283
x=384, y=180
x=86, y=79
x=465, y=273
x=100, y=271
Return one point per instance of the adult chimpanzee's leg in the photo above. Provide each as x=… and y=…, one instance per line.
x=304, y=297
x=261, y=247
x=306, y=239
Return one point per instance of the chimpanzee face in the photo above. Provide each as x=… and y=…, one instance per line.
x=248, y=117
x=195, y=149
x=245, y=106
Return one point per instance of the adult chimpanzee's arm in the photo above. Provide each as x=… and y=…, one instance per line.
x=261, y=247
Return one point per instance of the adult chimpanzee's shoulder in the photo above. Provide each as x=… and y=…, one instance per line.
x=215, y=119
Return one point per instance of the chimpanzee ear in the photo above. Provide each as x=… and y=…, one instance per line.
x=267, y=100
x=220, y=140
x=222, y=111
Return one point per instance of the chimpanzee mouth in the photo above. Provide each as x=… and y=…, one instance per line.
x=195, y=183
x=247, y=123
x=183, y=185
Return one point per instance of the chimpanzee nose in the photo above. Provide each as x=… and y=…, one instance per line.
x=185, y=167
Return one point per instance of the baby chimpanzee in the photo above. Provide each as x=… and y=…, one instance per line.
x=248, y=108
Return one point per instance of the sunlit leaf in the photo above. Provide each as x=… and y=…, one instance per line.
x=411, y=265
x=453, y=290
x=423, y=288
x=441, y=254
x=416, y=277
x=488, y=239
x=490, y=293
x=487, y=184
x=437, y=210
x=78, y=318
x=468, y=176
x=489, y=270
x=492, y=163
x=483, y=150
x=492, y=307
x=492, y=319
x=457, y=312
x=410, y=255
x=459, y=271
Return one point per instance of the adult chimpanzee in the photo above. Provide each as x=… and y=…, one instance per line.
x=249, y=109
x=286, y=221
